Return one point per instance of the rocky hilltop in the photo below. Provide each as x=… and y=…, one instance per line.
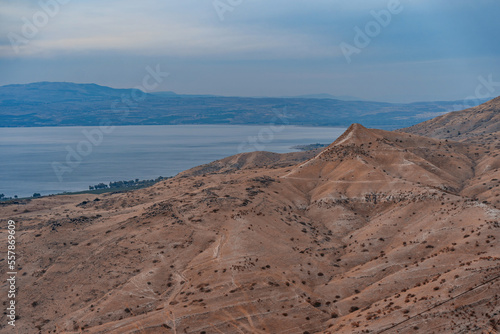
x=459, y=125
x=380, y=232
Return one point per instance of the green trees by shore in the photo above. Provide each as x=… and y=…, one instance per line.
x=100, y=188
x=127, y=184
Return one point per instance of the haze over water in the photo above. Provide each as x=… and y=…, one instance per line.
x=130, y=152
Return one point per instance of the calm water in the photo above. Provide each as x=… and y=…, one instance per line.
x=58, y=159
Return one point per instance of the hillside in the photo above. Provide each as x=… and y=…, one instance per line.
x=379, y=232
x=464, y=124
x=479, y=127
x=251, y=160
x=70, y=104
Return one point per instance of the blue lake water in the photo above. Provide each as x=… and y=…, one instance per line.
x=52, y=160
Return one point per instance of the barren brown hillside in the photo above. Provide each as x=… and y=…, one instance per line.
x=381, y=232
x=479, y=127
x=477, y=121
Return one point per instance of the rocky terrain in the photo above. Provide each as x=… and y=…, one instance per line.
x=477, y=121
x=380, y=232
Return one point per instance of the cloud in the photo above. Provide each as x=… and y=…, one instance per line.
x=254, y=29
x=87, y=27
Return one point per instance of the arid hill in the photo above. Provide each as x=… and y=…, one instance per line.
x=251, y=160
x=479, y=127
x=381, y=232
x=459, y=125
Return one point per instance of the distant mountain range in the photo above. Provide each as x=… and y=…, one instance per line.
x=307, y=96
x=71, y=104
x=327, y=96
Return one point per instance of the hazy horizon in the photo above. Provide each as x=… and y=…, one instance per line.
x=312, y=95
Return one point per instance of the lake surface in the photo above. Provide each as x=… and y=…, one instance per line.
x=52, y=160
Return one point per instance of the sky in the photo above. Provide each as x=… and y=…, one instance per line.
x=395, y=51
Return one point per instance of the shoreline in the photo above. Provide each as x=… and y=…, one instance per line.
x=140, y=184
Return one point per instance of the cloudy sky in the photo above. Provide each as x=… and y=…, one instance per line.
x=416, y=51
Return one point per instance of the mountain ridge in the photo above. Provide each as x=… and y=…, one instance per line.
x=463, y=124
x=69, y=104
